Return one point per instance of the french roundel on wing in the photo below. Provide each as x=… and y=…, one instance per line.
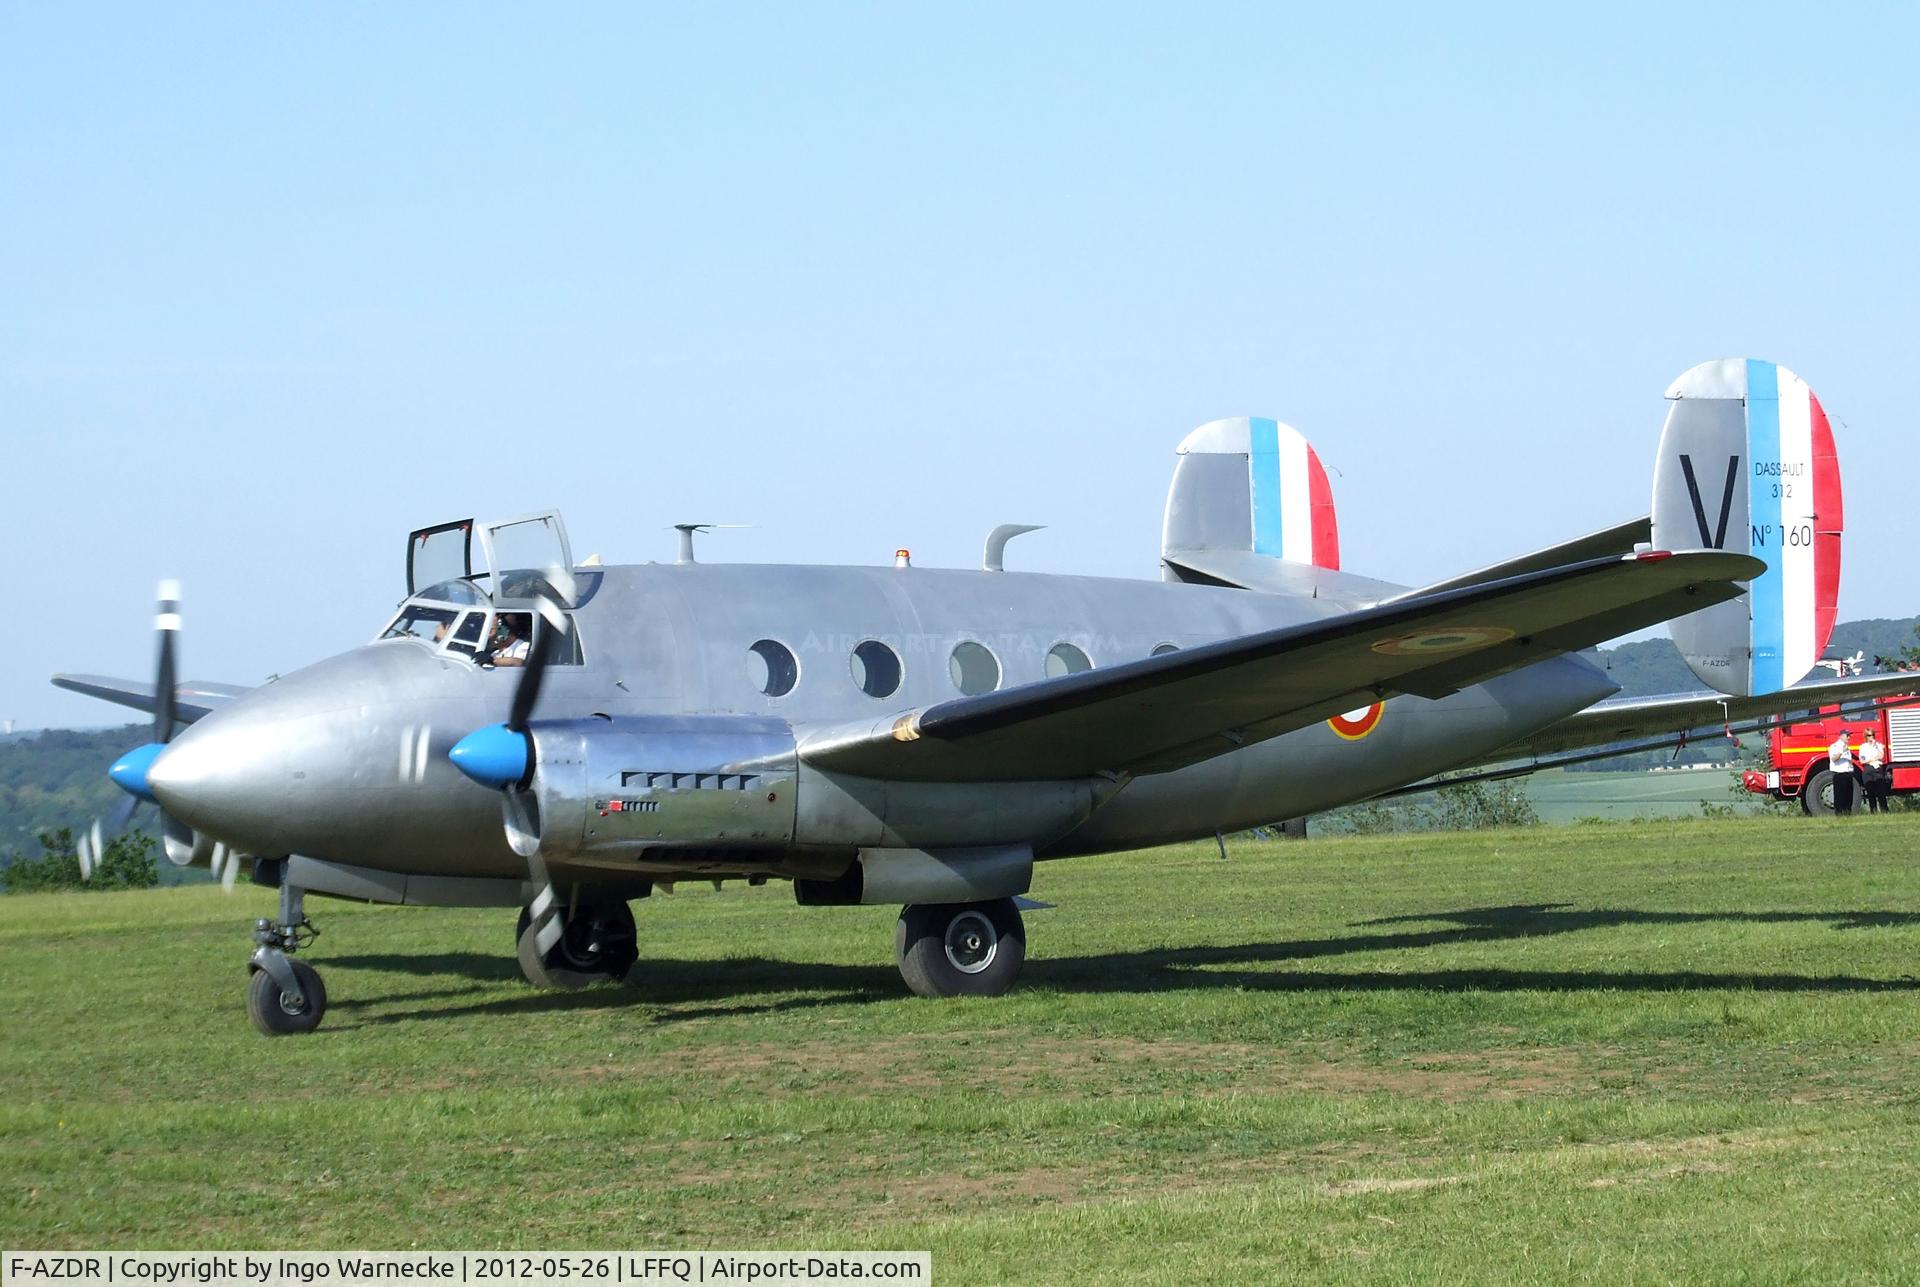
x=1356, y=724
x=1747, y=462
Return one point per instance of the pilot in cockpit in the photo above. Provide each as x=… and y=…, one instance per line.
x=511, y=643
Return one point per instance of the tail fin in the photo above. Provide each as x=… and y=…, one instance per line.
x=1250, y=484
x=1747, y=462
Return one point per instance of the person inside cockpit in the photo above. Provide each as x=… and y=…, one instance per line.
x=511, y=639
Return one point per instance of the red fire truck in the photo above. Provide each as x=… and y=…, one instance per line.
x=1797, y=751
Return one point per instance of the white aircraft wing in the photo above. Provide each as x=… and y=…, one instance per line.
x=1161, y=712
x=191, y=700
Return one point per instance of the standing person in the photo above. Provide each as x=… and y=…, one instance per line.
x=1840, y=764
x=1876, y=779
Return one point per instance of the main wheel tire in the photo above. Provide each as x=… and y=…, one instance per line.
x=280, y=1014
x=960, y=949
x=598, y=945
x=1816, y=797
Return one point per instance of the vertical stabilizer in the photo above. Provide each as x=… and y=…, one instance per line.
x=1251, y=484
x=1747, y=463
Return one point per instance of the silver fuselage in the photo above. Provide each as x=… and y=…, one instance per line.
x=346, y=760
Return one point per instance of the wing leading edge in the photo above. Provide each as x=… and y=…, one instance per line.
x=1162, y=712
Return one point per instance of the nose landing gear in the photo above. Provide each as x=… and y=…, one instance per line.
x=284, y=996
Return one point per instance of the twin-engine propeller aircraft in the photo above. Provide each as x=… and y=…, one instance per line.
x=527, y=732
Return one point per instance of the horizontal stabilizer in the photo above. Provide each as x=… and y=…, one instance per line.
x=1622, y=719
x=1178, y=708
x=1249, y=571
x=1621, y=538
x=191, y=700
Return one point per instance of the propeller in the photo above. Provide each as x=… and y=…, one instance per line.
x=129, y=772
x=501, y=756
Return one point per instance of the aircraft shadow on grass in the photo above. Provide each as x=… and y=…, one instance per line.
x=720, y=982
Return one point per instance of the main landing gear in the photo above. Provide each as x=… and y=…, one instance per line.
x=960, y=949
x=596, y=943
x=285, y=996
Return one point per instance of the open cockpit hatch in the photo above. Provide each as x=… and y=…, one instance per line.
x=486, y=614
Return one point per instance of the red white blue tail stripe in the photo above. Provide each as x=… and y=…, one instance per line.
x=1748, y=446
x=1293, y=515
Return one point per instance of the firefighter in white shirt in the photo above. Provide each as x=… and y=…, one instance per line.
x=1876, y=779
x=1840, y=764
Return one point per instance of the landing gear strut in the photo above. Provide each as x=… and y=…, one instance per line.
x=960, y=949
x=597, y=944
x=285, y=996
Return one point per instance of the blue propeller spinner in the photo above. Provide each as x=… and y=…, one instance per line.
x=494, y=756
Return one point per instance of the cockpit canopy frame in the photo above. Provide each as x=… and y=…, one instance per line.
x=535, y=542
x=457, y=610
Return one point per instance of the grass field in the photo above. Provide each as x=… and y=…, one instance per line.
x=1562, y=796
x=1617, y=1053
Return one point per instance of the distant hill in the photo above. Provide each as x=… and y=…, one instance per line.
x=57, y=778
x=1653, y=666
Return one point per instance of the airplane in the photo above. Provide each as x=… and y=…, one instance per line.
x=530, y=732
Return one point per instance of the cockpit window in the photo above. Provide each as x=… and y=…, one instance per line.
x=503, y=638
x=466, y=636
x=512, y=640
x=455, y=591
x=421, y=621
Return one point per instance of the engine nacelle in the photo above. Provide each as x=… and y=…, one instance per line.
x=184, y=846
x=617, y=787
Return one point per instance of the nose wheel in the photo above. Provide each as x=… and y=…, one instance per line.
x=598, y=944
x=285, y=996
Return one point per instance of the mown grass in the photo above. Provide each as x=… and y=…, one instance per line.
x=1564, y=796
x=1624, y=1053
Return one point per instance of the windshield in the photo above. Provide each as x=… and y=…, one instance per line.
x=503, y=638
x=421, y=621
x=455, y=591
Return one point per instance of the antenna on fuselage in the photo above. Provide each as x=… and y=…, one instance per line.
x=687, y=530
x=995, y=557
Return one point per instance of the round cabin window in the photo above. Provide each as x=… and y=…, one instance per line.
x=1066, y=659
x=771, y=666
x=876, y=669
x=974, y=668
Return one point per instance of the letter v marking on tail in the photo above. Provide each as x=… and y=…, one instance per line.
x=1718, y=539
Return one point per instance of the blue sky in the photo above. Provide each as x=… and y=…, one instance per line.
x=279, y=283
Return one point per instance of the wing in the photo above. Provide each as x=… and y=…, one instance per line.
x=1162, y=712
x=1622, y=719
x=191, y=700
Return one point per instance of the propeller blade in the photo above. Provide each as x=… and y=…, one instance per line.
x=231, y=872
x=92, y=845
x=167, y=623
x=527, y=692
x=122, y=814
x=550, y=602
x=89, y=848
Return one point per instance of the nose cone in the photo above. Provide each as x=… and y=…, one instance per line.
x=494, y=756
x=130, y=772
x=335, y=760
